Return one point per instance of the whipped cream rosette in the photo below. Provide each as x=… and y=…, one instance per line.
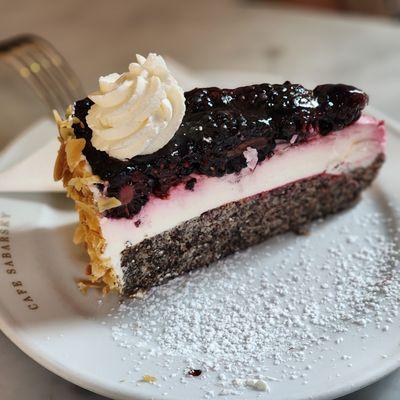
x=136, y=112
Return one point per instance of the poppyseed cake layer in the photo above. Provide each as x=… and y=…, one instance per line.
x=239, y=225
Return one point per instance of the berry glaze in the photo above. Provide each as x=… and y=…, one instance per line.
x=218, y=126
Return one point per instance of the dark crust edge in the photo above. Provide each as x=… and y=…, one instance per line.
x=235, y=226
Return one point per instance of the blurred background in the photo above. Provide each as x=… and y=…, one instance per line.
x=380, y=7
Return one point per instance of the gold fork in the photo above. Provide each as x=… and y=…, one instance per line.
x=44, y=69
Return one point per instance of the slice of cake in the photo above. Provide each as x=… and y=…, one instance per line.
x=165, y=181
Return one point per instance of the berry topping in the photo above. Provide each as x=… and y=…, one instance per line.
x=194, y=372
x=218, y=127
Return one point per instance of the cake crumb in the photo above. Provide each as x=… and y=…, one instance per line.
x=149, y=379
x=194, y=372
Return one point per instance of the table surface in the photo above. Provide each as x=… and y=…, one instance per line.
x=99, y=37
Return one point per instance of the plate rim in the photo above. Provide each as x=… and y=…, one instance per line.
x=387, y=366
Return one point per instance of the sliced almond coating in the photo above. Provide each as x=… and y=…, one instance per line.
x=85, y=285
x=88, y=208
x=68, y=111
x=106, y=203
x=61, y=163
x=71, y=167
x=79, y=235
x=57, y=117
x=79, y=183
x=66, y=132
x=64, y=127
x=109, y=279
x=73, y=149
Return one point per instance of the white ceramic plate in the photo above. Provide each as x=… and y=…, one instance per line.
x=43, y=312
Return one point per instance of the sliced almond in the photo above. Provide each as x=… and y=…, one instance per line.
x=60, y=165
x=79, y=235
x=79, y=183
x=149, y=379
x=107, y=203
x=73, y=149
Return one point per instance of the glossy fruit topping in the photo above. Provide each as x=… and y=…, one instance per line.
x=218, y=127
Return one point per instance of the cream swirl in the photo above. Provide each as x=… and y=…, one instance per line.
x=136, y=112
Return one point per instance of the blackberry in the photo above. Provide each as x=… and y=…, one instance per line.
x=218, y=126
x=190, y=184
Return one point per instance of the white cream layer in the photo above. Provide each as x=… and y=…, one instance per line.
x=355, y=146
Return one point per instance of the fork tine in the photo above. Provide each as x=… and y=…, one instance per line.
x=46, y=71
x=36, y=75
x=25, y=72
x=61, y=81
x=7, y=49
x=70, y=78
x=48, y=74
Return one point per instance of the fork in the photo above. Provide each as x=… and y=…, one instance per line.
x=44, y=69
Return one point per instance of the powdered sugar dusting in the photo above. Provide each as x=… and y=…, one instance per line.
x=269, y=314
